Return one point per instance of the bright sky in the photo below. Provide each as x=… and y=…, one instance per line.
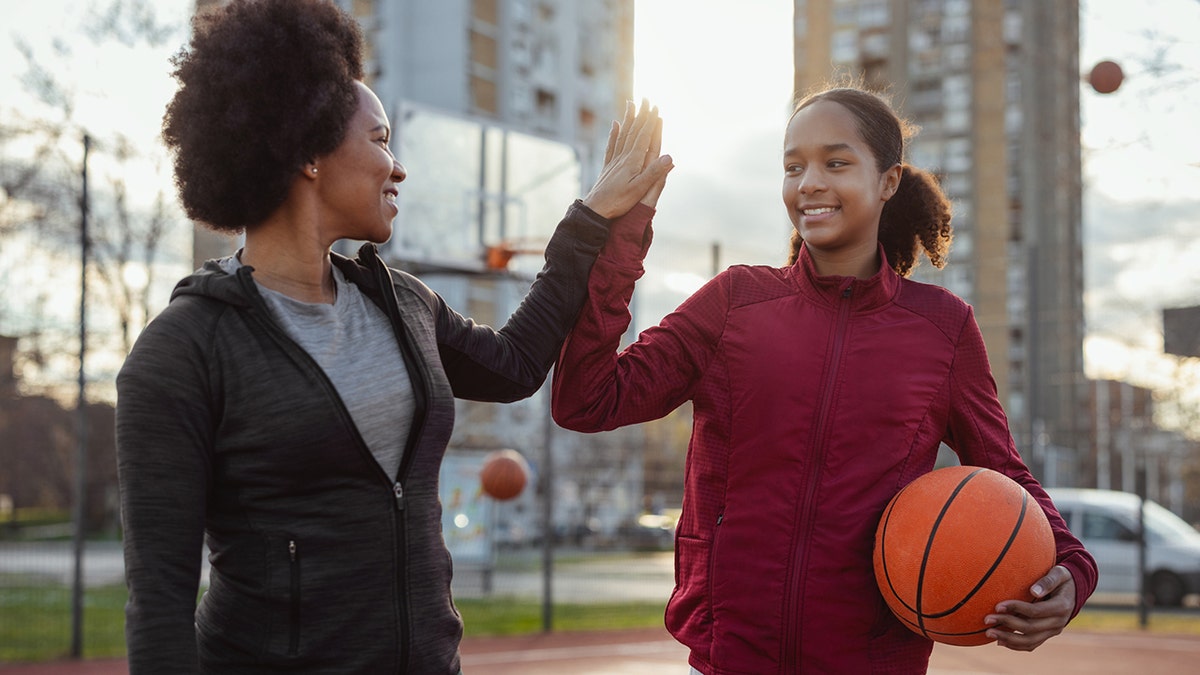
x=721, y=74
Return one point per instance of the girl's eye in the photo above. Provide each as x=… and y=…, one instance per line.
x=793, y=168
x=837, y=163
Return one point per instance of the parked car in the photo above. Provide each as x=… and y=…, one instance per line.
x=1106, y=521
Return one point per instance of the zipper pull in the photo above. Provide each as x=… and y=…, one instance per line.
x=846, y=292
x=292, y=549
x=398, y=491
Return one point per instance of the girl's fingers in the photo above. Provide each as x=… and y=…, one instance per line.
x=644, y=132
x=612, y=142
x=626, y=125
x=655, y=142
x=634, y=141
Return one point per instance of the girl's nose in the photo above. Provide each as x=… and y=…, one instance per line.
x=398, y=172
x=811, y=182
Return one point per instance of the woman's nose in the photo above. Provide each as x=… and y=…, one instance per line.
x=399, y=173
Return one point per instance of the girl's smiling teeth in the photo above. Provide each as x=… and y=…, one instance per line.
x=818, y=211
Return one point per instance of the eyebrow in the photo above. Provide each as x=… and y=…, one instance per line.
x=827, y=149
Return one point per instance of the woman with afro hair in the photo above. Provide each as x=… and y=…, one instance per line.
x=819, y=389
x=290, y=407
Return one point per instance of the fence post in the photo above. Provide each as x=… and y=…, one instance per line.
x=80, y=508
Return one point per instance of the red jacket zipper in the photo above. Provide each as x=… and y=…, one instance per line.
x=804, y=516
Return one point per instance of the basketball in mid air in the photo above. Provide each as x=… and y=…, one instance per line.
x=953, y=544
x=1106, y=77
x=504, y=474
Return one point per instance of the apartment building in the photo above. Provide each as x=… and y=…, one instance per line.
x=995, y=87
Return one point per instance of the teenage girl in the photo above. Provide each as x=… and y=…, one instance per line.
x=819, y=390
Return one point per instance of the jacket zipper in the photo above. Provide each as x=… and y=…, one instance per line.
x=422, y=396
x=804, y=520
x=294, y=566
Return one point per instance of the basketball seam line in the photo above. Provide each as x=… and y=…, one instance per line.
x=929, y=545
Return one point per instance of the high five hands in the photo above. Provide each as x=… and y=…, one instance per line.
x=633, y=169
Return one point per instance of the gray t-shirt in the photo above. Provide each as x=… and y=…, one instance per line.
x=355, y=345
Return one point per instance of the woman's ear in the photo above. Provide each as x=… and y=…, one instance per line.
x=310, y=170
x=891, y=180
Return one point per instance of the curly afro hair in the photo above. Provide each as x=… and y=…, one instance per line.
x=265, y=86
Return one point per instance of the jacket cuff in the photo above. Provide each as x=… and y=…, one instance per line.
x=589, y=227
x=1085, y=584
x=631, y=235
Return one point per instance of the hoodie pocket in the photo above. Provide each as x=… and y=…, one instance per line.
x=293, y=598
x=285, y=556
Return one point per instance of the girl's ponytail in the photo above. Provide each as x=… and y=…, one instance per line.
x=916, y=218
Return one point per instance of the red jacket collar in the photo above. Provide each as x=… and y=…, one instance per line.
x=874, y=291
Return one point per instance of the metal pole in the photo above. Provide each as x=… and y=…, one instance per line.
x=1032, y=357
x=503, y=186
x=547, y=481
x=481, y=221
x=80, y=509
x=1141, y=560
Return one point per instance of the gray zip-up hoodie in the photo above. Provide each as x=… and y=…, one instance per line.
x=229, y=433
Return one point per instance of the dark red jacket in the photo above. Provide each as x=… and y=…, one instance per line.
x=815, y=400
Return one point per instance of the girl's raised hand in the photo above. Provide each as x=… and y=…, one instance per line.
x=633, y=169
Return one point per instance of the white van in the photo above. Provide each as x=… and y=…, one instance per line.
x=1106, y=521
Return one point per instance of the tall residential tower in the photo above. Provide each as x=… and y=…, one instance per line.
x=994, y=86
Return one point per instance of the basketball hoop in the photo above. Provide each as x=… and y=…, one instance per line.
x=497, y=256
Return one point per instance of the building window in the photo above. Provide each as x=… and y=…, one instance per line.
x=587, y=118
x=956, y=29
x=963, y=245
x=483, y=50
x=547, y=104
x=483, y=95
x=873, y=13
x=845, y=46
x=485, y=11
x=958, y=155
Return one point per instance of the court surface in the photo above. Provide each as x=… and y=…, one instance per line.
x=653, y=652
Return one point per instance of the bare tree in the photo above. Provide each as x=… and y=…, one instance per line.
x=40, y=192
x=40, y=206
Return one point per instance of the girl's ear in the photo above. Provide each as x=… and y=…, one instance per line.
x=891, y=180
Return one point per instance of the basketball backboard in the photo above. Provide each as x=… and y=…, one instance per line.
x=473, y=184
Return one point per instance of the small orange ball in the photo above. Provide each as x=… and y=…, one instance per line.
x=504, y=474
x=953, y=544
x=1106, y=77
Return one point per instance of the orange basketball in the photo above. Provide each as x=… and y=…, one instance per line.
x=953, y=544
x=504, y=474
x=1106, y=77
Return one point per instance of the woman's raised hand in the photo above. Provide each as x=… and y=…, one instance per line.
x=633, y=169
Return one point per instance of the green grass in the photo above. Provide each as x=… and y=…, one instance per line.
x=515, y=616
x=35, y=622
x=1119, y=621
